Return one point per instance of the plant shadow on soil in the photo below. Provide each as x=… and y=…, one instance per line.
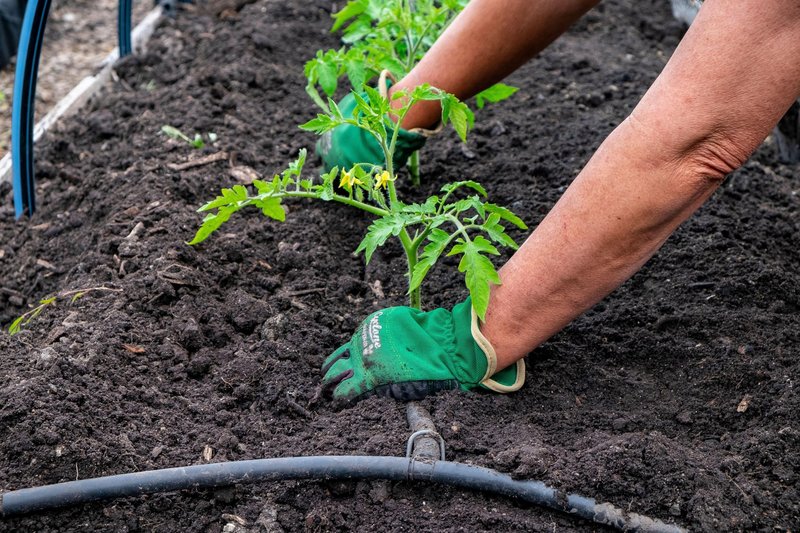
x=216, y=349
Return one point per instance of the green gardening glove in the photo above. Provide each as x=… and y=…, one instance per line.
x=346, y=145
x=408, y=354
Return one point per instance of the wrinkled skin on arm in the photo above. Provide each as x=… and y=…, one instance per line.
x=729, y=82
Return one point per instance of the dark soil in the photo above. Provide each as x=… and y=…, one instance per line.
x=216, y=348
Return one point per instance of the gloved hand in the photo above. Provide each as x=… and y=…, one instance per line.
x=407, y=354
x=346, y=145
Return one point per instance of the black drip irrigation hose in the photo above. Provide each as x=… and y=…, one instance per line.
x=424, y=463
x=342, y=467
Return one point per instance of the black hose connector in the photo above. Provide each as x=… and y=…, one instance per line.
x=346, y=467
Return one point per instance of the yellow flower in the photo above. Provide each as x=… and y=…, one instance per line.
x=348, y=180
x=382, y=179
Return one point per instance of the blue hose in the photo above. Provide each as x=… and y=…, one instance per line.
x=124, y=15
x=22, y=111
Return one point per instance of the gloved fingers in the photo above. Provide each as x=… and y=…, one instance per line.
x=337, y=368
x=343, y=352
x=332, y=381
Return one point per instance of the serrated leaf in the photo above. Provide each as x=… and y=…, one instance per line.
x=239, y=192
x=496, y=93
x=320, y=125
x=479, y=272
x=392, y=65
x=272, y=208
x=472, y=202
x=356, y=31
x=474, y=185
x=353, y=9
x=356, y=73
x=326, y=189
x=335, y=112
x=327, y=77
x=427, y=208
x=497, y=232
x=261, y=186
x=379, y=232
x=296, y=166
x=212, y=222
x=459, y=116
x=437, y=242
x=506, y=214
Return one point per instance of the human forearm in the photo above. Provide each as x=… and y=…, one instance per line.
x=733, y=76
x=487, y=41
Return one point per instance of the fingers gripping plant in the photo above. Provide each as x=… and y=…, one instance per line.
x=459, y=221
x=390, y=35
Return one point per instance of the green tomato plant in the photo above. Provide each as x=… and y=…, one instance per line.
x=52, y=301
x=458, y=221
x=390, y=35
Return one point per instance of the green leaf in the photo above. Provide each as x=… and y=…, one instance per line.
x=198, y=141
x=427, y=208
x=379, y=232
x=356, y=73
x=479, y=272
x=497, y=232
x=353, y=9
x=326, y=189
x=328, y=77
x=77, y=296
x=15, y=326
x=459, y=116
x=296, y=166
x=437, y=242
x=474, y=185
x=311, y=90
x=212, y=222
x=506, y=214
x=496, y=93
x=320, y=125
x=261, y=186
x=392, y=65
x=272, y=208
x=356, y=31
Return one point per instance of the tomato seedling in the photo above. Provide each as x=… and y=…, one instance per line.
x=458, y=221
x=390, y=35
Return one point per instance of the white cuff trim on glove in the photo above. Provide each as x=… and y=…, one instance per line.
x=383, y=89
x=491, y=360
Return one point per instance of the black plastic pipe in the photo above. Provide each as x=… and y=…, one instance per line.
x=346, y=467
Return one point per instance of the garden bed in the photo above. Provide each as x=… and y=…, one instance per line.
x=675, y=397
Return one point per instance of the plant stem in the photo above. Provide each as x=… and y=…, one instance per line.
x=411, y=248
x=413, y=168
x=377, y=211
